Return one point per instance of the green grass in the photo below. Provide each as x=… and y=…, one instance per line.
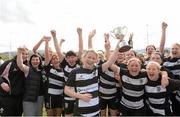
x=44, y=112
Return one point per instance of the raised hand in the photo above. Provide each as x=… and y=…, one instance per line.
x=46, y=38
x=21, y=49
x=61, y=41
x=53, y=33
x=107, y=44
x=92, y=33
x=164, y=25
x=79, y=30
x=106, y=37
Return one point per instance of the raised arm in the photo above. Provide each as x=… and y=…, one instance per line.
x=61, y=42
x=112, y=58
x=79, y=31
x=47, y=54
x=90, y=37
x=163, y=38
x=19, y=61
x=57, y=46
x=107, y=46
x=36, y=47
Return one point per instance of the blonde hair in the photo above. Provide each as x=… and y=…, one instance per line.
x=134, y=59
x=90, y=50
x=175, y=44
x=54, y=55
x=154, y=63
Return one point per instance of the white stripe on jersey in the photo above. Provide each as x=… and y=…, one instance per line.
x=176, y=72
x=91, y=114
x=104, y=81
x=156, y=101
x=171, y=64
x=92, y=102
x=109, y=73
x=132, y=93
x=108, y=97
x=139, y=81
x=56, y=82
x=55, y=91
x=89, y=88
x=68, y=69
x=178, y=98
x=132, y=105
x=55, y=72
x=107, y=91
x=158, y=111
x=69, y=98
x=66, y=78
x=178, y=93
x=86, y=76
x=157, y=89
x=117, y=84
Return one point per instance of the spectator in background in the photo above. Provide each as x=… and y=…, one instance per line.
x=151, y=48
x=12, y=86
x=33, y=93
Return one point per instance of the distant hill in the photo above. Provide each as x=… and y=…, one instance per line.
x=13, y=53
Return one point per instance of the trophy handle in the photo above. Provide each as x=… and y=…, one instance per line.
x=124, y=30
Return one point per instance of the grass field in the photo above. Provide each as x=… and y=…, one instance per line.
x=44, y=112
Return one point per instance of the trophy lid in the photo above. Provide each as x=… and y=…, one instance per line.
x=125, y=48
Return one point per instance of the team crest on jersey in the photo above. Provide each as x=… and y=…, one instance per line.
x=79, y=90
x=14, y=69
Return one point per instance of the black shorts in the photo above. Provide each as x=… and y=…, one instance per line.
x=111, y=103
x=69, y=106
x=132, y=112
x=53, y=101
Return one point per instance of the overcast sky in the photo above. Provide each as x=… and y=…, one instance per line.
x=26, y=21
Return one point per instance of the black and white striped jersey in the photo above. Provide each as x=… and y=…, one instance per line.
x=133, y=89
x=86, y=81
x=173, y=64
x=157, y=97
x=67, y=70
x=107, y=85
x=56, y=80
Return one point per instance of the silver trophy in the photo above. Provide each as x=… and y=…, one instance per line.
x=118, y=33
